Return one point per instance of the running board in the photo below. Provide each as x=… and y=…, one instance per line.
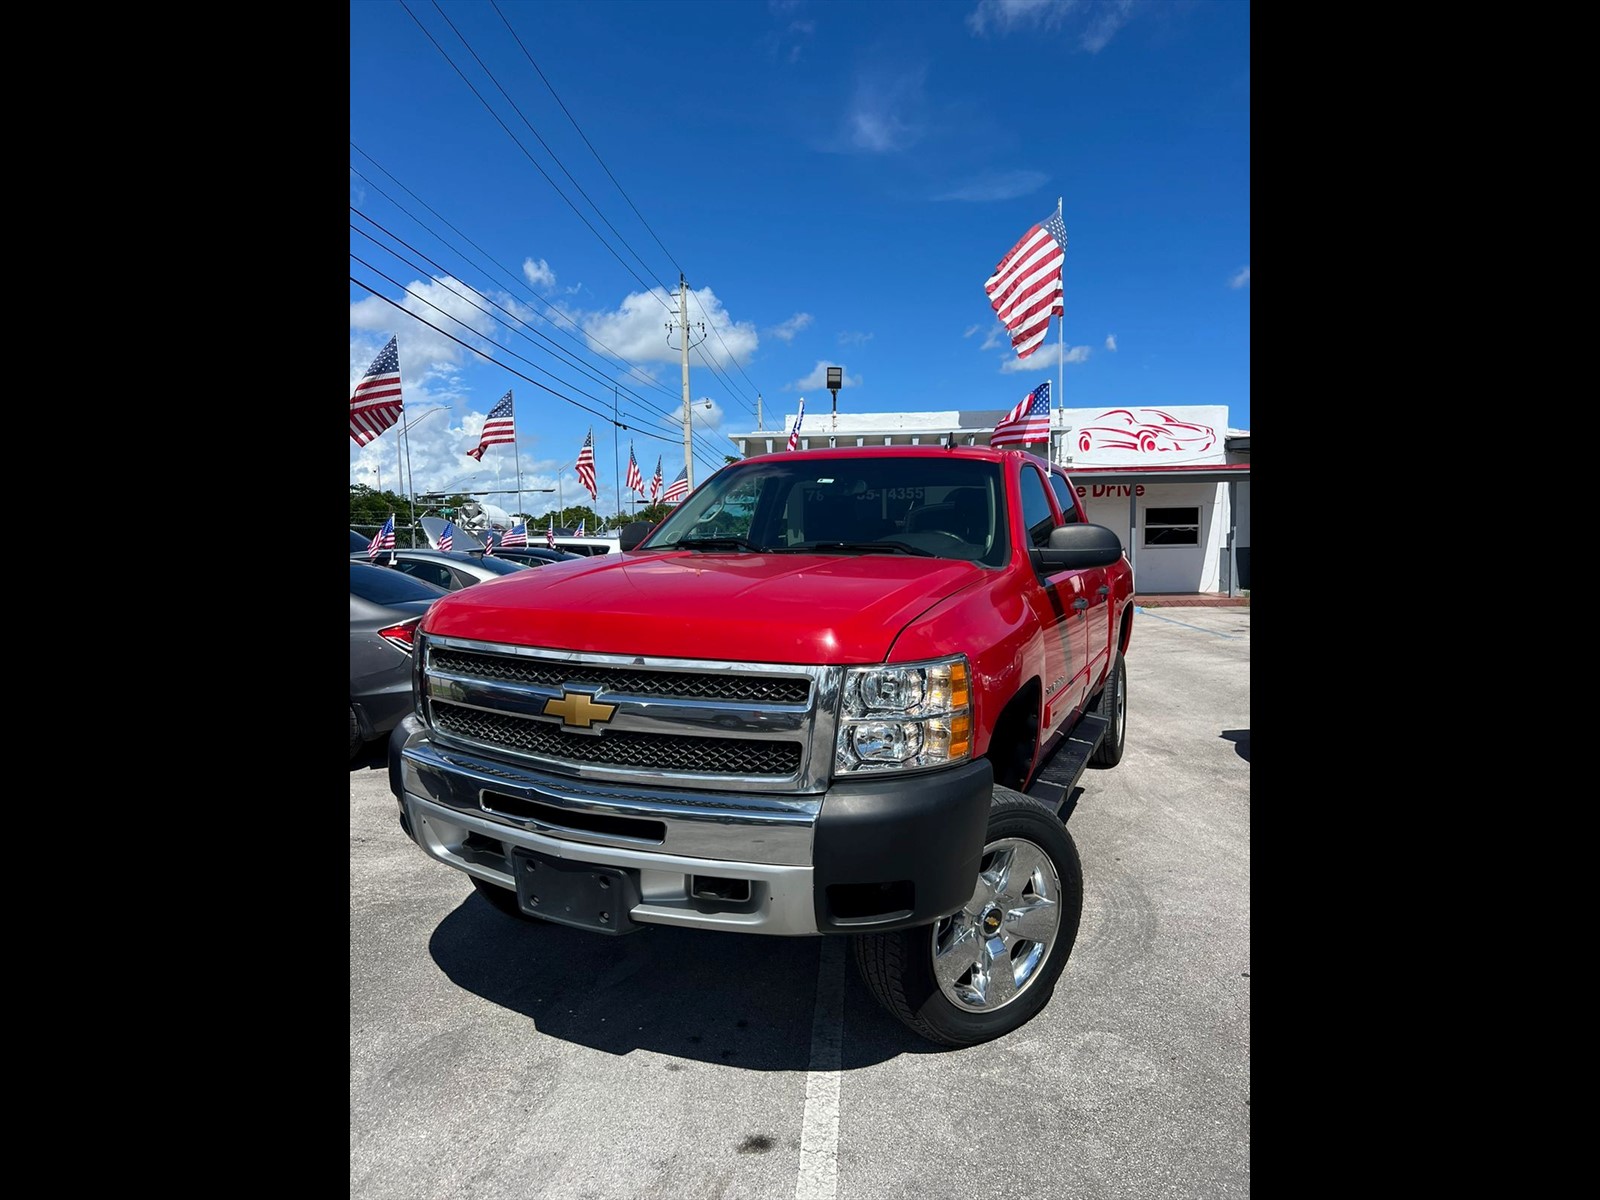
x=1060, y=774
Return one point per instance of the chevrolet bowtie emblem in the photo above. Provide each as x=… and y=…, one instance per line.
x=579, y=709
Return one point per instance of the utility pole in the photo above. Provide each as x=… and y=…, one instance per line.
x=683, y=325
x=758, y=412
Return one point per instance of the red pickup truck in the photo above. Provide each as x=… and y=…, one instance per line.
x=810, y=701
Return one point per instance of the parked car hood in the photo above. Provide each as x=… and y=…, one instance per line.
x=781, y=608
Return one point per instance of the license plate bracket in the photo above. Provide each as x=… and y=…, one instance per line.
x=584, y=895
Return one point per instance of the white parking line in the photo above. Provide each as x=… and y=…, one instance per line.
x=819, y=1128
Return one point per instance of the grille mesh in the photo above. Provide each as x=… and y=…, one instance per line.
x=621, y=748
x=675, y=685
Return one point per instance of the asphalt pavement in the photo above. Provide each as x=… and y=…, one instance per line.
x=493, y=1058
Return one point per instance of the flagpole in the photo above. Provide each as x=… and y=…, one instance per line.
x=516, y=457
x=1061, y=336
x=412, y=488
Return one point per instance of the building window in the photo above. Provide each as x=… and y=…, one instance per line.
x=1172, y=526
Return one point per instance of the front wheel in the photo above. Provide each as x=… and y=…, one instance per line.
x=989, y=968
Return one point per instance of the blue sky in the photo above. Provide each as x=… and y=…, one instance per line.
x=834, y=181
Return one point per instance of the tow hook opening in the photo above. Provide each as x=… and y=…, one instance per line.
x=719, y=890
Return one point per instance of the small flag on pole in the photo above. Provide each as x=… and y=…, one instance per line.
x=499, y=426
x=655, y=482
x=550, y=534
x=383, y=539
x=447, y=539
x=679, y=488
x=635, y=480
x=375, y=404
x=1028, y=422
x=579, y=531
x=794, y=434
x=517, y=535
x=586, y=466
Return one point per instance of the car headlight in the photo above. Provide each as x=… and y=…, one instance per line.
x=909, y=717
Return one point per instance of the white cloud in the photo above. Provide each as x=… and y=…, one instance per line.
x=786, y=330
x=1241, y=279
x=818, y=378
x=1047, y=355
x=1100, y=19
x=1004, y=16
x=885, y=113
x=635, y=331
x=1111, y=342
x=538, y=273
x=970, y=330
x=997, y=336
x=1004, y=185
x=854, y=338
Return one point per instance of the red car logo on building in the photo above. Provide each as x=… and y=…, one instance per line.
x=1150, y=432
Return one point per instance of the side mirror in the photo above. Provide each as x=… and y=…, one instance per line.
x=633, y=533
x=1076, y=548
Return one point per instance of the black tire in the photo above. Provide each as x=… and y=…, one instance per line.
x=1113, y=703
x=356, y=740
x=973, y=1004
x=505, y=899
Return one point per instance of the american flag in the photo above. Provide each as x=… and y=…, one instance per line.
x=550, y=534
x=679, y=488
x=447, y=539
x=488, y=543
x=498, y=426
x=635, y=480
x=586, y=466
x=579, y=531
x=794, y=434
x=375, y=404
x=383, y=539
x=655, y=482
x=517, y=535
x=1028, y=422
x=1025, y=289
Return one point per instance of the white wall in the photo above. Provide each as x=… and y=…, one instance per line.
x=1165, y=568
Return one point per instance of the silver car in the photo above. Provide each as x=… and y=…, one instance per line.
x=451, y=570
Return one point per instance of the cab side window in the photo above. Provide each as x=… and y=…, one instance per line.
x=1037, y=514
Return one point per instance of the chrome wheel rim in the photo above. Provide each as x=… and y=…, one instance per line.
x=1119, y=706
x=992, y=951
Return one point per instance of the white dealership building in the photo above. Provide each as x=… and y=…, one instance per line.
x=1173, y=482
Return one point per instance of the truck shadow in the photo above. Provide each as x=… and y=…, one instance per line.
x=745, y=1000
x=1241, y=741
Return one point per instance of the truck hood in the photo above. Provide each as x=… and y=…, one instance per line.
x=779, y=608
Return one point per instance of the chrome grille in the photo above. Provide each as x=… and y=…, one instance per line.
x=620, y=748
x=665, y=684
x=718, y=726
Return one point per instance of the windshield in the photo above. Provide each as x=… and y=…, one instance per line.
x=943, y=507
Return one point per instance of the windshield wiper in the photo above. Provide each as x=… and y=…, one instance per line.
x=857, y=548
x=712, y=543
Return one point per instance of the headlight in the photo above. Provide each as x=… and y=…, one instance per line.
x=904, y=718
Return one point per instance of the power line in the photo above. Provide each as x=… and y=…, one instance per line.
x=647, y=287
x=584, y=136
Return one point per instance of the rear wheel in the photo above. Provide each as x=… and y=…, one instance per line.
x=505, y=899
x=356, y=740
x=1113, y=705
x=989, y=968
